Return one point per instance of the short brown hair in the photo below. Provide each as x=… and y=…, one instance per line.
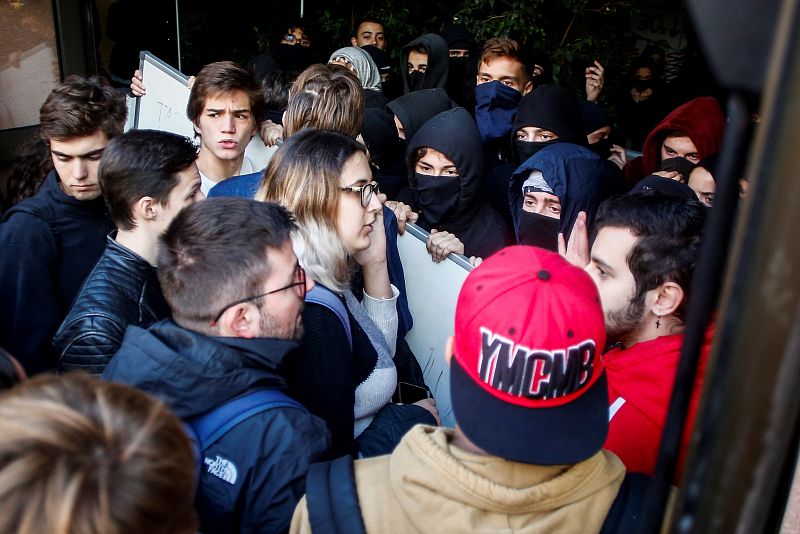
x=142, y=163
x=81, y=106
x=325, y=97
x=81, y=455
x=215, y=252
x=504, y=47
x=224, y=77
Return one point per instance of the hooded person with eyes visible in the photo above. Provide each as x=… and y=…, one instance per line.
x=549, y=190
x=409, y=112
x=445, y=174
x=547, y=115
x=424, y=63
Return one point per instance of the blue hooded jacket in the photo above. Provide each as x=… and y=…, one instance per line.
x=574, y=173
x=269, y=453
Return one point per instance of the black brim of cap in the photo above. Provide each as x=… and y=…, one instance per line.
x=547, y=436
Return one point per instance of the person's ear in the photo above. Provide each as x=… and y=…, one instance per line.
x=145, y=209
x=196, y=128
x=353, y=41
x=668, y=298
x=241, y=320
x=448, y=349
x=527, y=88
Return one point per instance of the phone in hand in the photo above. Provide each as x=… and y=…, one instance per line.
x=409, y=393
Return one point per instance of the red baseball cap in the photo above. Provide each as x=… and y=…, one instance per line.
x=526, y=377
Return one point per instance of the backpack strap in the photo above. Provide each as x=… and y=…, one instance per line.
x=206, y=429
x=42, y=211
x=323, y=296
x=332, y=498
x=211, y=426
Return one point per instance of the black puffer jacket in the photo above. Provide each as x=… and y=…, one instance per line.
x=268, y=453
x=121, y=290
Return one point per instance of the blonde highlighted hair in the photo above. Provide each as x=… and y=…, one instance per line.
x=79, y=455
x=303, y=175
x=325, y=97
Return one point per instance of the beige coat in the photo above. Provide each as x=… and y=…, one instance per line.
x=427, y=485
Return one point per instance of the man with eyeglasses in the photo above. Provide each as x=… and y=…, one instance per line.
x=235, y=288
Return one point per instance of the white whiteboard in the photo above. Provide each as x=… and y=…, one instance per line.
x=164, y=106
x=432, y=290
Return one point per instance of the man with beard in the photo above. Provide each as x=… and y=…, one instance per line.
x=229, y=274
x=642, y=261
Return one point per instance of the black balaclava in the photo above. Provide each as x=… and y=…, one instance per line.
x=463, y=70
x=572, y=173
x=386, y=151
x=416, y=108
x=594, y=118
x=552, y=108
x=540, y=57
x=436, y=73
x=380, y=136
x=448, y=203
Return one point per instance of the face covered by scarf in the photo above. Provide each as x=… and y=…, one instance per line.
x=437, y=196
x=495, y=107
x=450, y=201
x=572, y=173
x=526, y=149
x=536, y=229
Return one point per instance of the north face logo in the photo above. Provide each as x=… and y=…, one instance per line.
x=222, y=468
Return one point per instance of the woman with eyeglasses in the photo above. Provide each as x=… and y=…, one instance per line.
x=343, y=371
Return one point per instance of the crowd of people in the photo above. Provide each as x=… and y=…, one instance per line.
x=238, y=363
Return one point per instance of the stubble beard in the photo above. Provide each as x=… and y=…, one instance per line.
x=621, y=323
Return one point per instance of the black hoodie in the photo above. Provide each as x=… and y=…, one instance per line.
x=438, y=61
x=416, y=108
x=474, y=222
x=270, y=451
x=43, y=265
x=550, y=107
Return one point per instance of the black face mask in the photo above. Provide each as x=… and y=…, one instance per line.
x=415, y=80
x=458, y=66
x=437, y=195
x=602, y=148
x=526, y=149
x=538, y=230
x=641, y=85
x=680, y=164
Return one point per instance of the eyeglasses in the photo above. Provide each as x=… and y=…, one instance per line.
x=300, y=282
x=366, y=191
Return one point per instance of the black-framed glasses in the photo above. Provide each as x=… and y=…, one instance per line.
x=300, y=282
x=366, y=191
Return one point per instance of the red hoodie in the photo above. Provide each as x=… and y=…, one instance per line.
x=640, y=382
x=701, y=120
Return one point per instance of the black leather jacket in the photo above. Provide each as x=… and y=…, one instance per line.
x=121, y=290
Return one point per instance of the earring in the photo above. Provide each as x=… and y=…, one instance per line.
x=658, y=321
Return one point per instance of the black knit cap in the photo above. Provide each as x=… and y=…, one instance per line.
x=553, y=108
